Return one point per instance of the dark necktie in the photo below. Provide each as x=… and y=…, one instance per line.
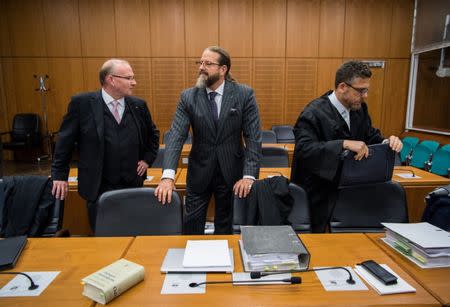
x=213, y=105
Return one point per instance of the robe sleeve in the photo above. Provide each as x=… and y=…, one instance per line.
x=321, y=158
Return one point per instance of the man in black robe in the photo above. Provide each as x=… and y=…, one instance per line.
x=328, y=125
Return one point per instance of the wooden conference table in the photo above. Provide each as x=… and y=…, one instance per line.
x=75, y=258
x=78, y=257
x=436, y=281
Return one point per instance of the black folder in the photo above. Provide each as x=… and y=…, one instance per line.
x=377, y=167
x=10, y=249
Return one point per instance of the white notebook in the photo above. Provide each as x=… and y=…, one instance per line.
x=206, y=253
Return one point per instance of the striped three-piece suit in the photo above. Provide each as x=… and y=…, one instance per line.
x=218, y=158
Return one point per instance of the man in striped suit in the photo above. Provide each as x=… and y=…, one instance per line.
x=220, y=112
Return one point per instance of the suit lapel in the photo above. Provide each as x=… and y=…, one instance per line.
x=205, y=109
x=97, y=108
x=227, y=102
x=134, y=114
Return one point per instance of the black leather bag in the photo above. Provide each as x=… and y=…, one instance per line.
x=376, y=168
x=437, y=211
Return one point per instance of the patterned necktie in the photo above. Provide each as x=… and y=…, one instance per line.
x=213, y=105
x=115, y=111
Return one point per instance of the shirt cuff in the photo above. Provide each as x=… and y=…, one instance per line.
x=385, y=141
x=168, y=174
x=249, y=177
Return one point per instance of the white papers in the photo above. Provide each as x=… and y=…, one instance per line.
x=336, y=280
x=266, y=280
x=400, y=287
x=149, y=178
x=179, y=284
x=407, y=176
x=426, y=262
x=206, y=253
x=423, y=234
x=19, y=285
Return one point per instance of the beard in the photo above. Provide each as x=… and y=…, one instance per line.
x=204, y=80
x=201, y=80
x=355, y=106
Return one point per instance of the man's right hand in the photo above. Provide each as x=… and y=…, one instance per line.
x=60, y=189
x=358, y=147
x=164, y=190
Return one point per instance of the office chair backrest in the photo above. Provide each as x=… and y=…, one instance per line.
x=158, y=163
x=299, y=216
x=134, y=212
x=26, y=127
x=411, y=141
x=432, y=145
x=167, y=137
x=284, y=133
x=362, y=208
x=406, y=150
x=274, y=157
x=55, y=221
x=441, y=161
x=268, y=137
x=422, y=153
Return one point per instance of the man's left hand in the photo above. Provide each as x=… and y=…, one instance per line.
x=142, y=167
x=395, y=143
x=243, y=187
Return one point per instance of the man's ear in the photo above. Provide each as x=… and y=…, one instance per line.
x=223, y=68
x=341, y=87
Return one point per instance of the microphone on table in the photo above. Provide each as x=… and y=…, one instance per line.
x=350, y=280
x=291, y=281
x=32, y=286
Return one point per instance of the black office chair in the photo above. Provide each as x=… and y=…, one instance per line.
x=299, y=216
x=134, y=212
x=25, y=133
x=274, y=157
x=362, y=208
x=284, y=133
x=30, y=208
x=268, y=137
x=166, y=138
x=158, y=163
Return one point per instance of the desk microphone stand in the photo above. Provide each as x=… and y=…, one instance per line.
x=47, y=139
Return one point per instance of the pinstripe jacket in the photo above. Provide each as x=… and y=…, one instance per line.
x=238, y=120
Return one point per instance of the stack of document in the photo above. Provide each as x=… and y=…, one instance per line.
x=272, y=248
x=422, y=243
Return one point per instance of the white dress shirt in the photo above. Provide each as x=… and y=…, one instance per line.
x=343, y=111
x=110, y=102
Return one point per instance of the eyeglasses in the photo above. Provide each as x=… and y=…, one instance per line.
x=206, y=63
x=129, y=78
x=360, y=90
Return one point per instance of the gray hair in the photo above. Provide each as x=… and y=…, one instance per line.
x=108, y=68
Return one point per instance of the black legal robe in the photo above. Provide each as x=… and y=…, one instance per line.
x=319, y=133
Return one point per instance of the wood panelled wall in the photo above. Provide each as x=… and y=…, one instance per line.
x=287, y=50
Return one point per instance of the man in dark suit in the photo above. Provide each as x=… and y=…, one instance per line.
x=117, y=139
x=328, y=125
x=220, y=112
